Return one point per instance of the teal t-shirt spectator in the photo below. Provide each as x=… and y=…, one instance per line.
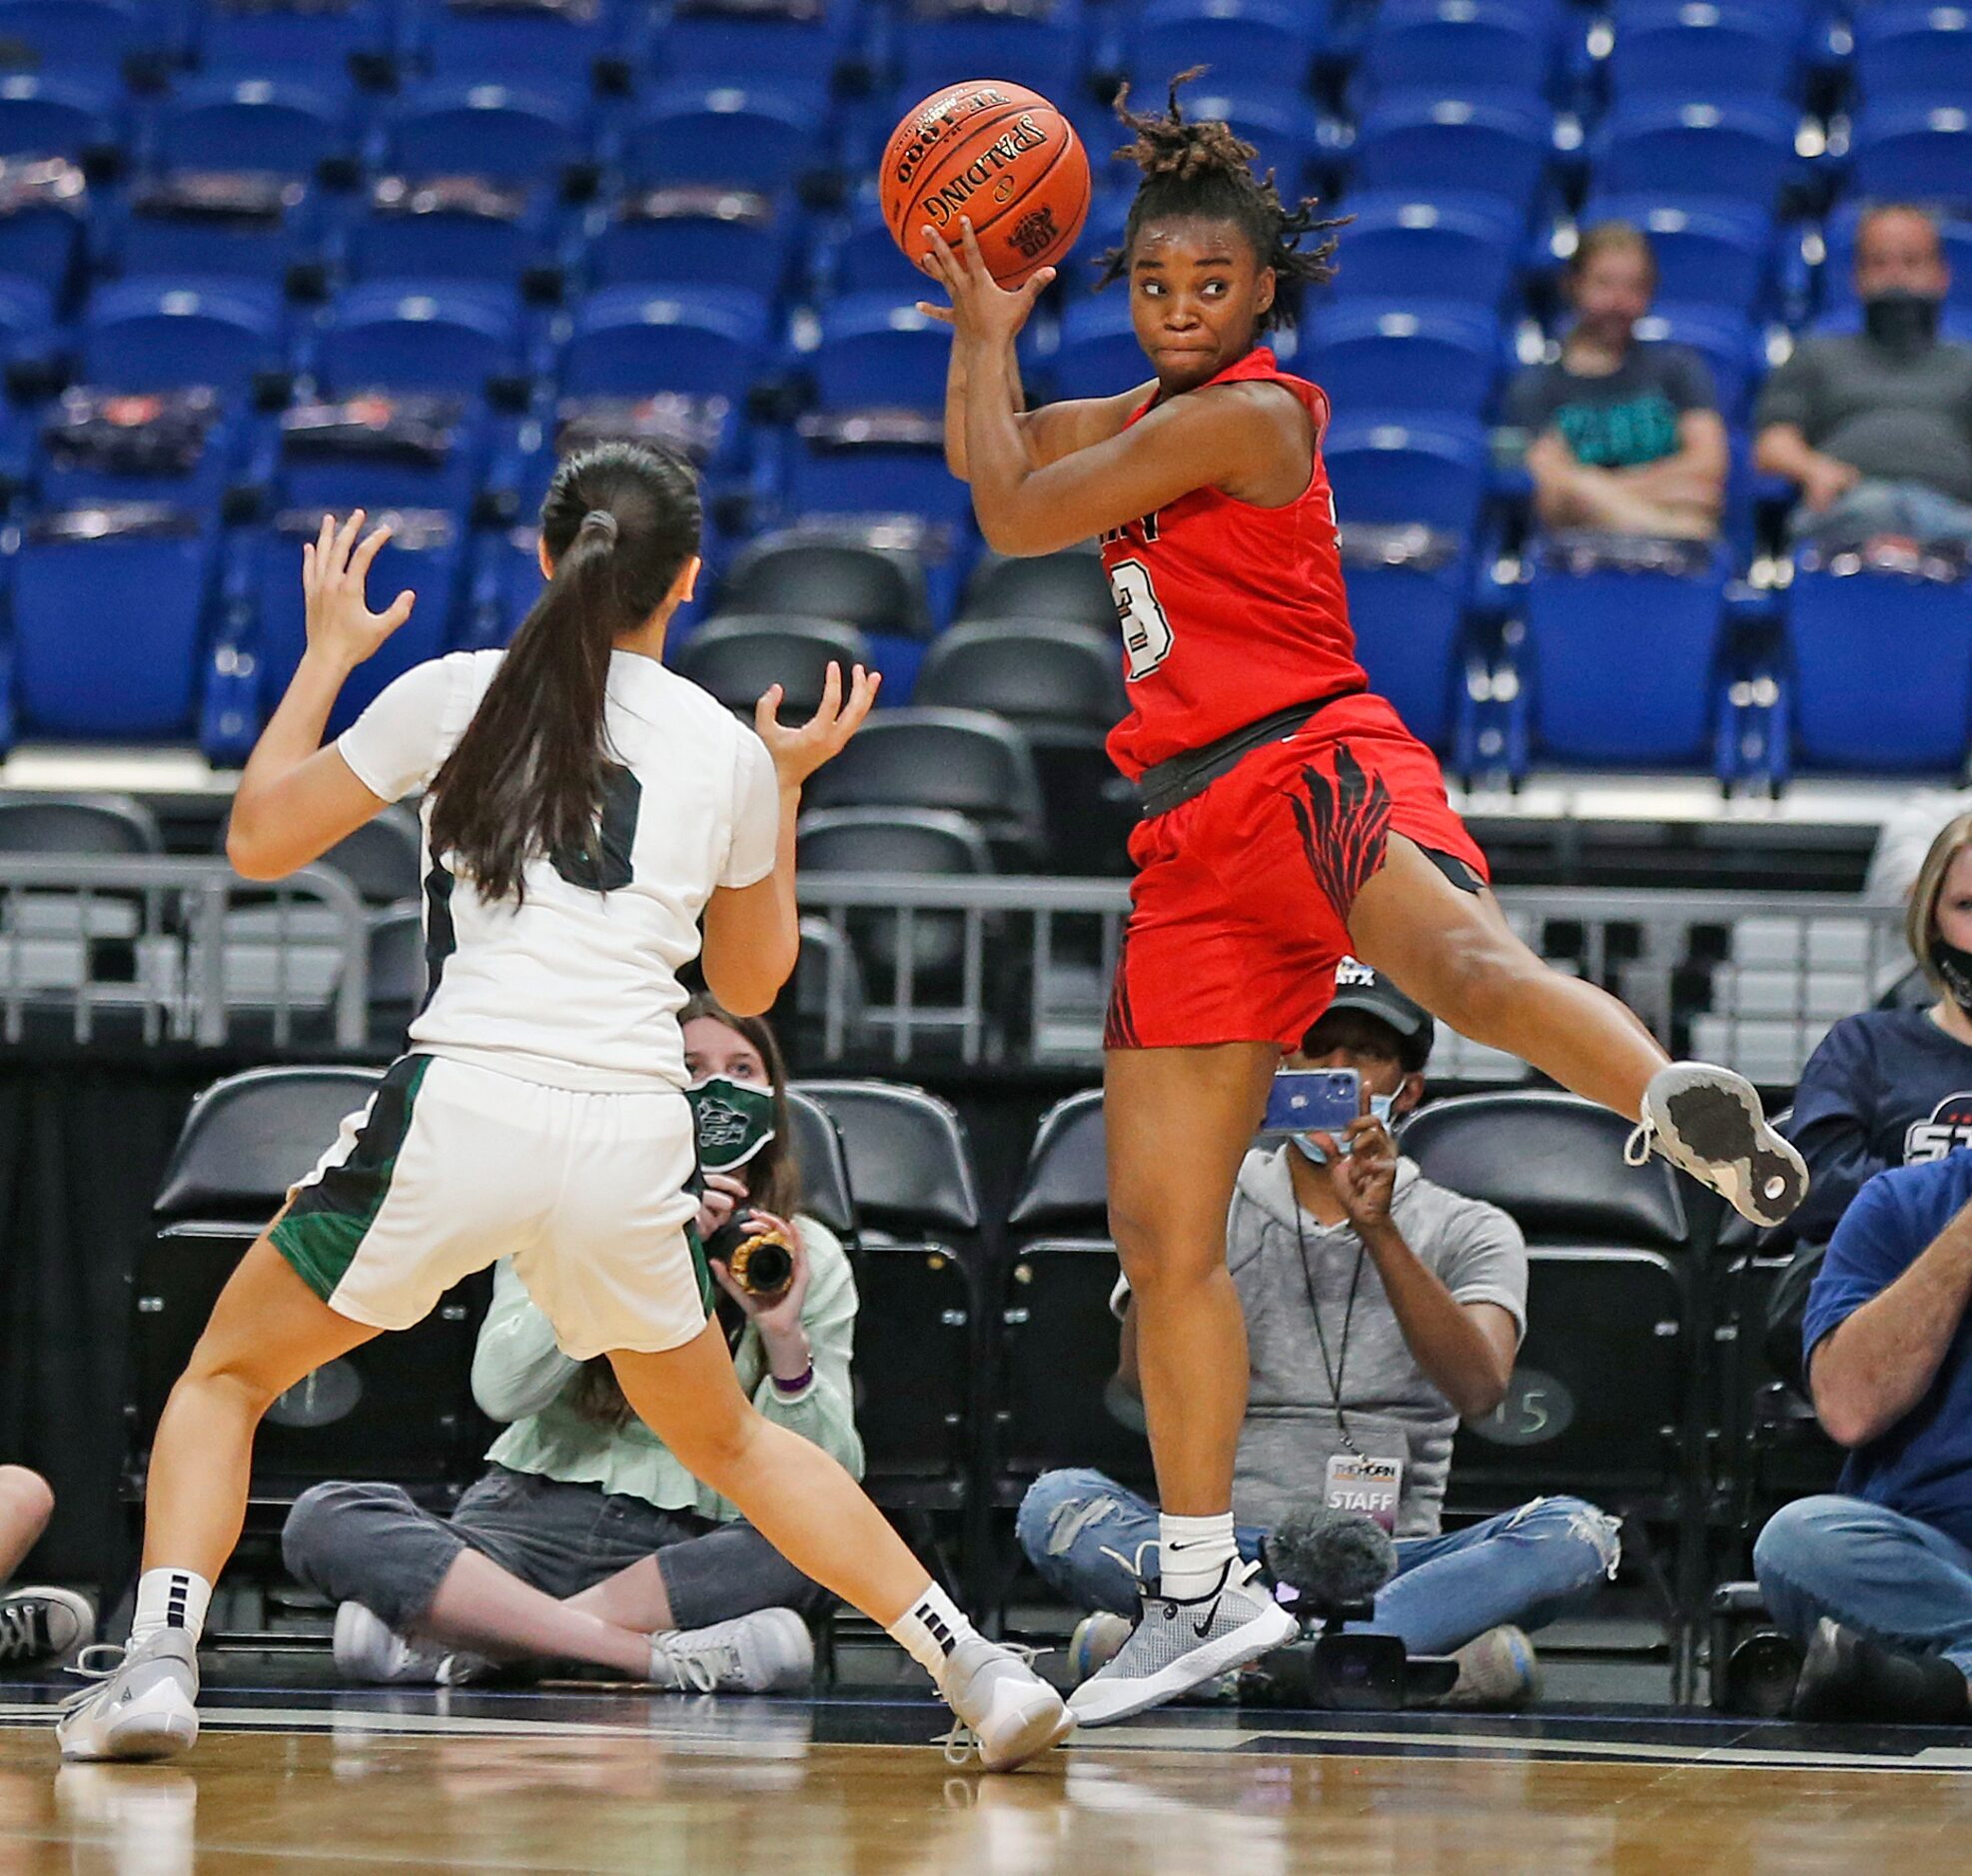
x=1615, y=420
x=1922, y=1466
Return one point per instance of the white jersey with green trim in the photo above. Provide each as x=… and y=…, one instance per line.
x=578, y=986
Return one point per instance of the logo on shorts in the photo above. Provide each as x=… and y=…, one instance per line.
x=1948, y=1130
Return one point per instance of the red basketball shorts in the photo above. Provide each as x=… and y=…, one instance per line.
x=1239, y=912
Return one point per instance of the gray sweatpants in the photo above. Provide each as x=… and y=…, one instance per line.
x=372, y=1544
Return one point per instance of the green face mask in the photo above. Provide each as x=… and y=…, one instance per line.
x=735, y=1120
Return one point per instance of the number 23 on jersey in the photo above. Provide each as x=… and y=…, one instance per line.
x=1147, y=638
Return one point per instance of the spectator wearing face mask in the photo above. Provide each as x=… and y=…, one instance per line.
x=1876, y=426
x=1626, y=434
x=1381, y=1309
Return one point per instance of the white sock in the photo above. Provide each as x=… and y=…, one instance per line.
x=1192, y=1552
x=930, y=1629
x=168, y=1598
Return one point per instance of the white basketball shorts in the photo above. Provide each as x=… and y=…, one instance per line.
x=451, y=1167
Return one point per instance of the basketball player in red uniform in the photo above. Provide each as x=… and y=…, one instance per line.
x=1290, y=819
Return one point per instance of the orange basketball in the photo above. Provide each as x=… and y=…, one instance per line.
x=998, y=153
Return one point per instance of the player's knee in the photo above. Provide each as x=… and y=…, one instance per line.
x=27, y=1501
x=716, y=1449
x=1156, y=1253
x=231, y=1372
x=1480, y=981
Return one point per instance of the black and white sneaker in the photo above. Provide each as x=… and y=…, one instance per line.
x=42, y=1628
x=1180, y=1642
x=1709, y=1122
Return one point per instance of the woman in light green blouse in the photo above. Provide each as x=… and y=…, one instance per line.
x=586, y=1539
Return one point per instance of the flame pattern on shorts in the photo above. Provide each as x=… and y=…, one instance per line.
x=1118, y=1024
x=1345, y=827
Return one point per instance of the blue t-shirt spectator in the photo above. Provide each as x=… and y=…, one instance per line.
x=1923, y=1466
x=1886, y=1088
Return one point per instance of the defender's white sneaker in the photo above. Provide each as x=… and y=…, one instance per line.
x=1709, y=1121
x=1009, y=1711
x=768, y=1651
x=1178, y=1643
x=143, y=1707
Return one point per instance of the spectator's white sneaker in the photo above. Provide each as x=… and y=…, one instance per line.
x=43, y=1627
x=369, y=1649
x=1178, y=1643
x=1709, y=1122
x=143, y=1707
x=1005, y=1710
x=769, y=1651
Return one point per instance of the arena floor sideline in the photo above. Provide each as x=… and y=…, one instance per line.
x=297, y=1777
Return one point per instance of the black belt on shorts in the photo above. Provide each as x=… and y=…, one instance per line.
x=1167, y=784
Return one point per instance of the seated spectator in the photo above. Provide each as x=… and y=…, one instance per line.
x=40, y=1628
x=1627, y=436
x=1381, y=1310
x=585, y=1540
x=1894, y=1087
x=1877, y=1579
x=1876, y=426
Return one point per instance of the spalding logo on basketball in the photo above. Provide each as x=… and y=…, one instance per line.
x=998, y=153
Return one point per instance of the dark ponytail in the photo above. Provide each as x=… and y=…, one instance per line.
x=621, y=521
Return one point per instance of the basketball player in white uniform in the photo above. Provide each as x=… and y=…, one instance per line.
x=586, y=810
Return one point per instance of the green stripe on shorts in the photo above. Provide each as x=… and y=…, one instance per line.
x=704, y=1270
x=326, y=1225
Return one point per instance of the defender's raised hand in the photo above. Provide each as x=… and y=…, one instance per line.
x=798, y=752
x=335, y=566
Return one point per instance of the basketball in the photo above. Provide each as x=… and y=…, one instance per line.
x=998, y=153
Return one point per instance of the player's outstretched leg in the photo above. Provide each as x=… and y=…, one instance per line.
x=819, y=1519
x=1178, y=1123
x=1454, y=953
x=267, y=1330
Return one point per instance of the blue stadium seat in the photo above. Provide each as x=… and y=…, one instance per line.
x=375, y=450
x=44, y=221
x=177, y=449
x=1708, y=252
x=873, y=349
x=1913, y=152
x=793, y=44
x=1458, y=49
x=1241, y=42
x=445, y=337
x=1099, y=354
x=1914, y=49
x=1419, y=252
x=151, y=334
x=454, y=229
x=707, y=232
x=266, y=580
x=1435, y=147
x=1388, y=473
x=1380, y=359
x=512, y=132
x=60, y=36
x=758, y=137
x=1717, y=49
x=1743, y=150
x=1622, y=667
x=27, y=319
x=476, y=40
x=207, y=226
x=68, y=116
x=1280, y=123
x=1043, y=50
x=1410, y=629
x=863, y=258
x=279, y=125
x=108, y=632
x=822, y=476
x=1881, y=671
x=631, y=340
x=297, y=39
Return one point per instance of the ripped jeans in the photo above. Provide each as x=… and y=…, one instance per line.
x=1525, y=1566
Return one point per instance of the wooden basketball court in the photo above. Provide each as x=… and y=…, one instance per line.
x=291, y=1780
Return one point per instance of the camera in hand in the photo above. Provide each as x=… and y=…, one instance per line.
x=760, y=1262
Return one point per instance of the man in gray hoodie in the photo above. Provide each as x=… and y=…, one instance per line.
x=1381, y=1309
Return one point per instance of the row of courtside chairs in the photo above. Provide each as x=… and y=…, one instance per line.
x=985, y=1346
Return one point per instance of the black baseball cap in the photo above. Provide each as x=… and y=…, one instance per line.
x=1357, y=987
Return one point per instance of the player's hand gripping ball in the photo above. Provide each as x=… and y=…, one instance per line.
x=1002, y=155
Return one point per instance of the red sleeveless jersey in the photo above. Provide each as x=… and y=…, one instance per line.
x=1230, y=613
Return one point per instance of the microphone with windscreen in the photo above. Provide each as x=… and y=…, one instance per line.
x=1334, y=1562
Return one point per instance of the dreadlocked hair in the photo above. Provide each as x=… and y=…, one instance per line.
x=1199, y=168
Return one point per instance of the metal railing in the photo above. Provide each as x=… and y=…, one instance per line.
x=184, y=946
x=1017, y=969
